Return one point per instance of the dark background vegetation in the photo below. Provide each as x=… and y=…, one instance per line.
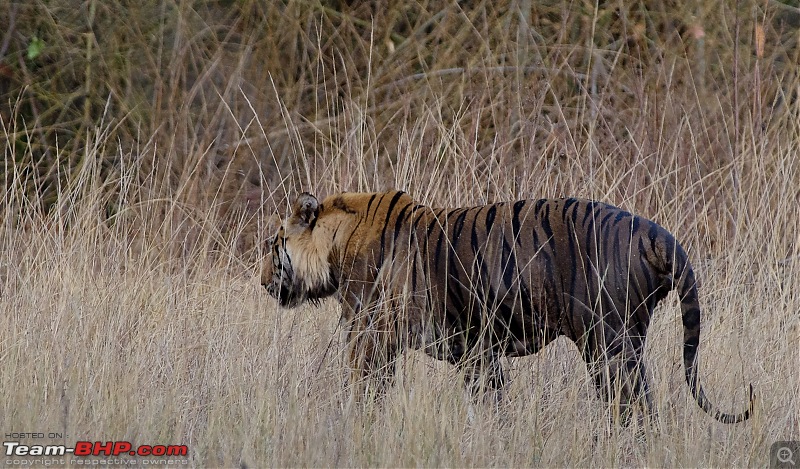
x=231, y=105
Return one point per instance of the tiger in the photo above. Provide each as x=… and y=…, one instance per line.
x=472, y=285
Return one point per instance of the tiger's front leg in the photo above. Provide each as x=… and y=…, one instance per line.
x=373, y=348
x=484, y=377
x=372, y=359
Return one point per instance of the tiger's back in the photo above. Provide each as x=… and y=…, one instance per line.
x=532, y=270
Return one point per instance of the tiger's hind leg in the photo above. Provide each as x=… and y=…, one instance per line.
x=622, y=383
x=616, y=366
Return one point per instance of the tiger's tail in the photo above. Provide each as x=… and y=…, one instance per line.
x=690, y=312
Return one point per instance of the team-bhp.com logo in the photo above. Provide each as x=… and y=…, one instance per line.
x=94, y=448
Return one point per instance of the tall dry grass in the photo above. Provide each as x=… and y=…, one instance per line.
x=133, y=218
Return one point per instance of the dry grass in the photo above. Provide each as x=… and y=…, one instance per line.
x=129, y=244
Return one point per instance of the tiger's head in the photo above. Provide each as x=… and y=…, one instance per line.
x=297, y=268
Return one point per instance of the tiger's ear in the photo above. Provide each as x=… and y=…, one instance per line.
x=305, y=210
